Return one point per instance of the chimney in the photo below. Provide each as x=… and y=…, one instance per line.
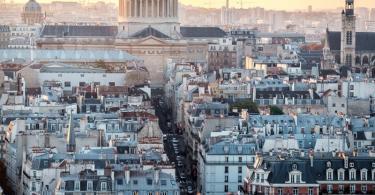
x=355, y=152
x=107, y=169
x=127, y=174
x=156, y=175
x=311, y=156
x=46, y=140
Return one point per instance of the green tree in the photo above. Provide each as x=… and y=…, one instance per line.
x=251, y=106
x=274, y=110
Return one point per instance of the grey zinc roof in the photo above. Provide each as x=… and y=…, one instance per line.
x=93, y=55
x=149, y=31
x=233, y=148
x=66, y=68
x=141, y=177
x=4, y=28
x=365, y=41
x=202, y=32
x=79, y=31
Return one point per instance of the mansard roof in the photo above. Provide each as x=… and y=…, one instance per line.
x=78, y=31
x=365, y=41
x=202, y=32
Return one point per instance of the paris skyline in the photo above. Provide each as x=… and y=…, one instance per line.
x=268, y=4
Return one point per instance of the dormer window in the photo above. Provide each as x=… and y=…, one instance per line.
x=329, y=164
x=341, y=174
x=364, y=174
x=352, y=175
x=351, y=165
x=329, y=174
x=295, y=177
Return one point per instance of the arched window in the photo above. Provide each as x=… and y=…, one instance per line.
x=365, y=60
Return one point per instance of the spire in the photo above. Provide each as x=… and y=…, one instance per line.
x=70, y=136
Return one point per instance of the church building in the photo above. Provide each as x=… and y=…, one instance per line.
x=348, y=48
x=148, y=29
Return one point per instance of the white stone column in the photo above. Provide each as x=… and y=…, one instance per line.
x=163, y=8
x=176, y=8
x=141, y=8
x=158, y=8
x=152, y=8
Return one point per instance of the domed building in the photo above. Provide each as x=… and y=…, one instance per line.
x=32, y=13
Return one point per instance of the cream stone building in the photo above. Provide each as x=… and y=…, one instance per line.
x=148, y=29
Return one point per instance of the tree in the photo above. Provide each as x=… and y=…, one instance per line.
x=251, y=106
x=274, y=110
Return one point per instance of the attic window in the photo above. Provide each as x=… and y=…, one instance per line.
x=294, y=166
x=351, y=164
x=328, y=164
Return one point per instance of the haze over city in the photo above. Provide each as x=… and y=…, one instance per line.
x=268, y=4
x=187, y=97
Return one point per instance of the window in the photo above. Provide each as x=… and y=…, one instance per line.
x=351, y=164
x=120, y=182
x=295, y=191
x=333, y=105
x=352, y=174
x=226, y=179
x=81, y=84
x=149, y=182
x=226, y=169
x=89, y=185
x=329, y=188
x=364, y=188
x=226, y=159
x=135, y=182
x=239, y=179
x=329, y=174
x=76, y=186
x=311, y=191
x=33, y=186
x=341, y=175
x=112, y=84
x=239, y=169
x=343, y=105
x=280, y=191
x=364, y=174
x=239, y=159
x=328, y=164
x=262, y=178
x=59, y=75
x=104, y=75
x=34, y=173
x=82, y=75
x=67, y=84
x=225, y=188
x=352, y=188
x=163, y=182
x=351, y=87
x=103, y=186
x=351, y=94
x=341, y=188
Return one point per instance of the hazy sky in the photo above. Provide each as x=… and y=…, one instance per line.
x=268, y=4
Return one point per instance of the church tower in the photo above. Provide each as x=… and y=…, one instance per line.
x=348, y=35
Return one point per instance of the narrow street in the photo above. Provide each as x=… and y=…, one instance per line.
x=174, y=146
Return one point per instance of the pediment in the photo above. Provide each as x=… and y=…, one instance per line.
x=151, y=40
